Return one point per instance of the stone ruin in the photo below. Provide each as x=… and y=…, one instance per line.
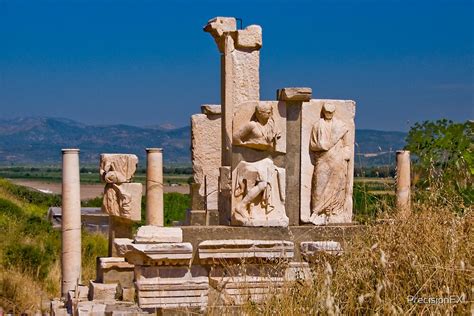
x=273, y=185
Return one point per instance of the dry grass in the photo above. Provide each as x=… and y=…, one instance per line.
x=428, y=255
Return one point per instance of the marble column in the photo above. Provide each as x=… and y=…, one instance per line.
x=294, y=98
x=71, y=221
x=403, y=182
x=154, y=187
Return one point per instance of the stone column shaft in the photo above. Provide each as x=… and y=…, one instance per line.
x=403, y=182
x=71, y=221
x=154, y=187
x=294, y=98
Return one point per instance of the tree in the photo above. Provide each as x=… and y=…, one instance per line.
x=443, y=158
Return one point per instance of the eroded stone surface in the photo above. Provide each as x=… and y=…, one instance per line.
x=171, y=287
x=114, y=270
x=311, y=248
x=295, y=94
x=160, y=254
x=117, y=168
x=102, y=291
x=155, y=234
x=327, y=161
x=211, y=109
x=258, y=197
x=260, y=125
x=206, y=156
x=123, y=200
x=250, y=37
x=245, y=248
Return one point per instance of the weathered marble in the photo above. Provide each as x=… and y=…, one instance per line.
x=310, y=249
x=172, y=287
x=159, y=254
x=240, y=61
x=123, y=200
x=102, y=291
x=242, y=249
x=260, y=125
x=114, y=270
x=258, y=194
x=327, y=162
x=71, y=222
x=403, y=182
x=155, y=234
x=295, y=94
x=117, y=168
x=154, y=187
x=206, y=156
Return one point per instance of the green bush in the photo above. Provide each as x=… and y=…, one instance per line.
x=28, y=258
x=10, y=209
x=443, y=161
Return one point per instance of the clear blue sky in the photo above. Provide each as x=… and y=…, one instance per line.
x=149, y=62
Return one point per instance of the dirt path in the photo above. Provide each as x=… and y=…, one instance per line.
x=88, y=191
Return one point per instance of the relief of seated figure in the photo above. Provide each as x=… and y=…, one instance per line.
x=260, y=132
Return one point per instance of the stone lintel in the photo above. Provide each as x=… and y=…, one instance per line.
x=294, y=94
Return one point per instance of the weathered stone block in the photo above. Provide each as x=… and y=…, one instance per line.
x=311, y=248
x=160, y=254
x=294, y=94
x=206, y=156
x=172, y=287
x=102, y=291
x=239, y=249
x=250, y=37
x=115, y=270
x=123, y=200
x=117, y=168
x=211, y=109
x=156, y=234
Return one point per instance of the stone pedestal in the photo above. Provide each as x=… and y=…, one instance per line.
x=154, y=187
x=119, y=227
x=403, y=182
x=71, y=221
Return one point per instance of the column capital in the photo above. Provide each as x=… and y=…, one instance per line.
x=294, y=94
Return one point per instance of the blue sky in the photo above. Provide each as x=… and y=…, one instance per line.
x=149, y=62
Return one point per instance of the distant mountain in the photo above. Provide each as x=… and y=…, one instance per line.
x=40, y=140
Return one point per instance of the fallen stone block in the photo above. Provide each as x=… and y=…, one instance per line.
x=156, y=234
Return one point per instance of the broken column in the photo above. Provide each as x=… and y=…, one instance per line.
x=154, y=187
x=240, y=82
x=294, y=98
x=71, y=221
x=122, y=198
x=403, y=182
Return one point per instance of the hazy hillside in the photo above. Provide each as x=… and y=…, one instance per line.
x=39, y=140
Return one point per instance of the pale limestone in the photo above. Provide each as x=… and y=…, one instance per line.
x=155, y=234
x=160, y=254
x=117, y=168
x=250, y=37
x=239, y=72
x=311, y=248
x=258, y=194
x=211, y=109
x=315, y=180
x=403, y=182
x=245, y=248
x=122, y=246
x=154, y=187
x=101, y=291
x=295, y=94
x=71, y=222
x=206, y=156
x=260, y=125
x=115, y=270
x=123, y=200
x=170, y=287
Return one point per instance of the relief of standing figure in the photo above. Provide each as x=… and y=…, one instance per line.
x=329, y=143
